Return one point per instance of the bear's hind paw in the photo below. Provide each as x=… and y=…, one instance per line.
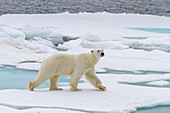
x=31, y=86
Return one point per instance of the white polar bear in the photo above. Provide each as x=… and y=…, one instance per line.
x=69, y=65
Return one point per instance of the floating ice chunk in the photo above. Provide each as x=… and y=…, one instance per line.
x=12, y=32
x=4, y=38
x=159, y=83
x=12, y=55
x=92, y=38
x=8, y=35
x=149, y=44
x=104, y=44
x=17, y=38
x=71, y=44
x=43, y=32
x=129, y=59
x=44, y=42
x=29, y=66
x=35, y=46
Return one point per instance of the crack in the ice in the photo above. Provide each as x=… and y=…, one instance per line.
x=18, y=107
x=29, y=61
x=137, y=72
x=146, y=83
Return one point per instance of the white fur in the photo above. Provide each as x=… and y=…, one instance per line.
x=69, y=65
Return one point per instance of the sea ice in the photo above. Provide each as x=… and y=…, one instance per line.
x=26, y=40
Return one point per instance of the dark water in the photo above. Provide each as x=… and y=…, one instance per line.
x=154, y=7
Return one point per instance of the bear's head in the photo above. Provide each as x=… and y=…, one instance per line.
x=98, y=53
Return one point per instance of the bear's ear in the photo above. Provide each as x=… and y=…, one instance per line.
x=91, y=51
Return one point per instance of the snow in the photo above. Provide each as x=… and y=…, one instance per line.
x=26, y=40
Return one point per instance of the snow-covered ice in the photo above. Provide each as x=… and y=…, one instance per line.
x=117, y=98
x=25, y=40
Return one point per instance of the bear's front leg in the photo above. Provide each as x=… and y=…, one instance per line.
x=75, y=80
x=94, y=80
x=53, y=83
x=74, y=83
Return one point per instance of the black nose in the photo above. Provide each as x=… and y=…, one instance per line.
x=102, y=54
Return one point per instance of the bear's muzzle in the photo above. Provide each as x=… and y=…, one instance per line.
x=102, y=54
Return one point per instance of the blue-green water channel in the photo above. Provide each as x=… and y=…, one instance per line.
x=154, y=30
x=13, y=78
x=146, y=83
x=156, y=109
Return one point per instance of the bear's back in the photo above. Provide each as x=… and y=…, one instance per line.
x=61, y=57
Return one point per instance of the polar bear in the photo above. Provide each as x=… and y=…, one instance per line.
x=69, y=65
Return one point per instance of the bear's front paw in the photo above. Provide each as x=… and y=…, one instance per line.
x=75, y=89
x=99, y=86
x=56, y=89
x=103, y=88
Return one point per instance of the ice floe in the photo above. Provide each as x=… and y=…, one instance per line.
x=137, y=49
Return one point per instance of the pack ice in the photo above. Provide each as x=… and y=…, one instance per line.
x=137, y=49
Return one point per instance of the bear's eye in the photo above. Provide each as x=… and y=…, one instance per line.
x=98, y=51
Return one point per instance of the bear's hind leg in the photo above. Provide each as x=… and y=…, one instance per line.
x=53, y=83
x=39, y=80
